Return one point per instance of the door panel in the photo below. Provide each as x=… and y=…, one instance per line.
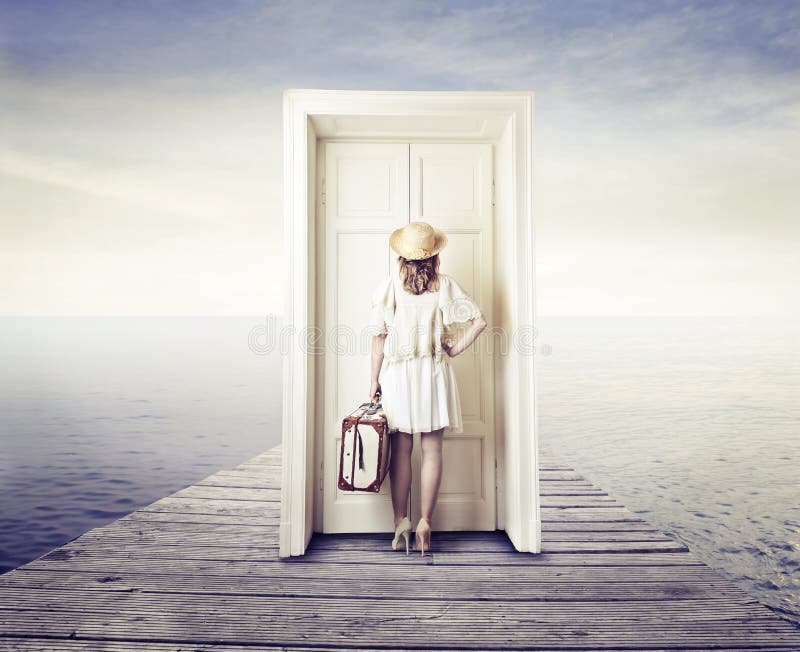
x=366, y=198
x=366, y=185
x=450, y=187
x=451, y=184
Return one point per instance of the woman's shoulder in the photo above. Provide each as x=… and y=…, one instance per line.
x=445, y=282
x=449, y=288
x=383, y=292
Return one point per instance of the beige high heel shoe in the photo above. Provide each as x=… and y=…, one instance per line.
x=403, y=529
x=422, y=539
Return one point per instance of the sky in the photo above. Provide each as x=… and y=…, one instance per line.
x=141, y=145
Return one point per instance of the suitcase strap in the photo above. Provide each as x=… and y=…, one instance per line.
x=357, y=434
x=357, y=438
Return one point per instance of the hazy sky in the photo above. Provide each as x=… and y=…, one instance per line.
x=140, y=161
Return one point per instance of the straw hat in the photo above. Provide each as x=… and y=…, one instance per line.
x=417, y=240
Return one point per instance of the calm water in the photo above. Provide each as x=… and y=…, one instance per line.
x=100, y=416
x=693, y=423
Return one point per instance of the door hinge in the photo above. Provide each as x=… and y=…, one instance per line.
x=493, y=192
x=322, y=194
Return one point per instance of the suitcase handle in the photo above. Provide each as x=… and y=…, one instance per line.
x=373, y=405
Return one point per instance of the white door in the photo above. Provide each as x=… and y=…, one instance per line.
x=367, y=194
x=365, y=199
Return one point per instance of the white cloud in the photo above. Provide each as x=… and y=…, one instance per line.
x=665, y=138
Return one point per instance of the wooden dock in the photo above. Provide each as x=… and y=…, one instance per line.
x=199, y=570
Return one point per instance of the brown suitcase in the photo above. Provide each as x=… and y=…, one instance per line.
x=364, y=451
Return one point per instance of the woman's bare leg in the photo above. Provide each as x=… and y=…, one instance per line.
x=431, y=471
x=400, y=472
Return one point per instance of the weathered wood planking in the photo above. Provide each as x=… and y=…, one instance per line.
x=198, y=570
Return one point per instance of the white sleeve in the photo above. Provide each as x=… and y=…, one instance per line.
x=382, y=306
x=457, y=306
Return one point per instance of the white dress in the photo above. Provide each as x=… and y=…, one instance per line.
x=419, y=391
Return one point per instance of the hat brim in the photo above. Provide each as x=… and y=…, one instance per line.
x=439, y=242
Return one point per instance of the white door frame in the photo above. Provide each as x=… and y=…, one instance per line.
x=503, y=118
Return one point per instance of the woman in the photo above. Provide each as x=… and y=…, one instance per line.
x=411, y=310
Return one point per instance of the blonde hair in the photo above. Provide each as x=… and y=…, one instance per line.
x=419, y=276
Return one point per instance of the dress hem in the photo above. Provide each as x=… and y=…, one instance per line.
x=447, y=427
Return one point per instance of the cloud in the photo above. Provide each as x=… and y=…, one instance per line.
x=146, y=131
x=196, y=162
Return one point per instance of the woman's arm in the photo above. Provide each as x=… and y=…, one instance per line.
x=475, y=328
x=375, y=364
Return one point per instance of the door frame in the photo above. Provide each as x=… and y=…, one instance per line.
x=502, y=118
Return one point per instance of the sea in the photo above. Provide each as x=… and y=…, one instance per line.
x=692, y=422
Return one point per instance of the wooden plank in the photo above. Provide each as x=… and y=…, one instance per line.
x=368, y=572
x=216, y=507
x=203, y=534
x=596, y=526
x=572, y=491
x=258, y=468
x=417, y=622
x=147, y=516
x=620, y=559
x=241, y=481
x=415, y=601
x=560, y=476
x=601, y=553
x=576, y=500
x=551, y=525
x=36, y=644
x=588, y=514
x=515, y=587
x=243, y=536
x=256, y=549
x=256, y=494
x=255, y=475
